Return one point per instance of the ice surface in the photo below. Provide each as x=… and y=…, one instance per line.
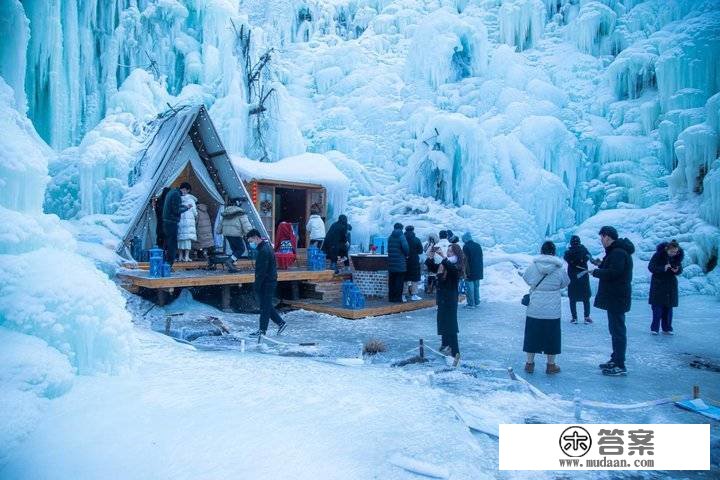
x=227, y=407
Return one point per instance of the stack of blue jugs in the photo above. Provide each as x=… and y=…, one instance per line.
x=156, y=262
x=352, y=296
x=315, y=258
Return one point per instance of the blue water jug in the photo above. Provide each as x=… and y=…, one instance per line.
x=156, y=262
x=346, y=289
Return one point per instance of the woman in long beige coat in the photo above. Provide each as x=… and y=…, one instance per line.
x=205, y=238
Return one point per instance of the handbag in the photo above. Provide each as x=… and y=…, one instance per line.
x=526, y=298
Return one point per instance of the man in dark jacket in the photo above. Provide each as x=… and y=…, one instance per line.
x=172, y=209
x=614, y=294
x=336, y=241
x=665, y=266
x=398, y=250
x=265, y=282
x=473, y=269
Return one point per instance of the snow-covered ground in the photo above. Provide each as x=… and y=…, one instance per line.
x=214, y=412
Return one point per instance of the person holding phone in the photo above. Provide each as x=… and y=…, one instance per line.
x=665, y=266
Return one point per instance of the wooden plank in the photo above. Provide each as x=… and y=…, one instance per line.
x=372, y=310
x=201, y=264
x=203, y=278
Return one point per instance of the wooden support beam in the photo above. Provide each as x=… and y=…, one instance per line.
x=373, y=309
x=161, y=297
x=225, y=305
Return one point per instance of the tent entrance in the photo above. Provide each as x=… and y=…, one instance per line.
x=198, y=190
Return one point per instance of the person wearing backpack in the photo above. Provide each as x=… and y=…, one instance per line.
x=546, y=277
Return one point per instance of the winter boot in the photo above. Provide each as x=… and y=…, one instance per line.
x=588, y=320
x=573, y=320
x=552, y=368
x=529, y=367
x=230, y=264
x=257, y=333
x=282, y=328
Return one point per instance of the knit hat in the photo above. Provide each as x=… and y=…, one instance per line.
x=574, y=240
x=454, y=239
x=467, y=236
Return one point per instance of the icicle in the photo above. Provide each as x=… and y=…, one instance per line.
x=521, y=22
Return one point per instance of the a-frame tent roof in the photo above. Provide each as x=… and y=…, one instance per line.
x=184, y=137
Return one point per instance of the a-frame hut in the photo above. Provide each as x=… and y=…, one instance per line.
x=185, y=147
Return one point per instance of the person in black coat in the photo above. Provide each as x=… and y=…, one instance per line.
x=450, y=272
x=172, y=209
x=398, y=251
x=337, y=242
x=473, y=269
x=614, y=294
x=665, y=266
x=265, y=282
x=412, y=275
x=158, y=206
x=577, y=257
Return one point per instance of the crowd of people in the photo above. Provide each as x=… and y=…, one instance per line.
x=184, y=225
x=448, y=267
x=547, y=277
x=449, y=270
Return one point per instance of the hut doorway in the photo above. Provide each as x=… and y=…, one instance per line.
x=291, y=207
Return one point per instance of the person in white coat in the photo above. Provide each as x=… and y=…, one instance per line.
x=187, y=228
x=546, y=277
x=315, y=227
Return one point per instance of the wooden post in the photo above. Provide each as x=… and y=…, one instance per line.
x=167, y=324
x=225, y=300
x=578, y=405
x=422, y=349
x=161, y=297
x=696, y=391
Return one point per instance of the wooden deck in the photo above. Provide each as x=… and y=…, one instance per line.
x=204, y=278
x=373, y=308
